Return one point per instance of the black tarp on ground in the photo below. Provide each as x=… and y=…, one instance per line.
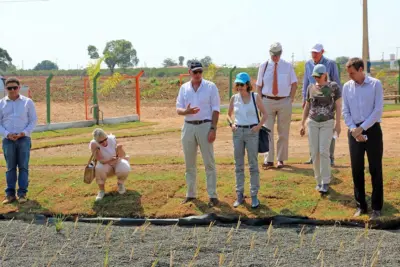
x=206, y=219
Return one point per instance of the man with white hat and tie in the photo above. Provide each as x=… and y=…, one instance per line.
x=277, y=84
x=317, y=54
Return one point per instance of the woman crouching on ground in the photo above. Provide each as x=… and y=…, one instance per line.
x=111, y=160
x=323, y=102
x=245, y=136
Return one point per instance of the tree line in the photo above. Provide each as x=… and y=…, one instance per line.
x=116, y=53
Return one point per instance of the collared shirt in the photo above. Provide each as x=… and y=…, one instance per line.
x=286, y=77
x=206, y=98
x=17, y=116
x=331, y=68
x=362, y=103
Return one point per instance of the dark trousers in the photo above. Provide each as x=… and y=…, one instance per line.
x=374, y=149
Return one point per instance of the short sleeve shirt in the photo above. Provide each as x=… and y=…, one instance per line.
x=109, y=151
x=322, y=101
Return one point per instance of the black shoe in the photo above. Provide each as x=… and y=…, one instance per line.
x=359, y=212
x=213, y=202
x=308, y=162
x=187, y=200
x=375, y=215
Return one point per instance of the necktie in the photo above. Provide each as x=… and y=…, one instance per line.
x=275, y=81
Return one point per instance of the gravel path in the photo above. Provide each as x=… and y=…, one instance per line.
x=23, y=244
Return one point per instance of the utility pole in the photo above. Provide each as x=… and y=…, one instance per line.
x=292, y=58
x=397, y=52
x=365, y=51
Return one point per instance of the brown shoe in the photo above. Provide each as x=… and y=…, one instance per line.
x=22, y=200
x=213, y=202
x=187, y=200
x=9, y=200
x=268, y=165
x=280, y=165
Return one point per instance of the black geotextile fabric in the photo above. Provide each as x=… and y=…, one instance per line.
x=206, y=219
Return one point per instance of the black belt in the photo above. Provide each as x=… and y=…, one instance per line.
x=198, y=122
x=274, y=97
x=246, y=126
x=359, y=124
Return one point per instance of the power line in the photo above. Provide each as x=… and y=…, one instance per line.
x=21, y=1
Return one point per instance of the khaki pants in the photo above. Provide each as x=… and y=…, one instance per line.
x=121, y=170
x=320, y=138
x=244, y=139
x=194, y=136
x=282, y=110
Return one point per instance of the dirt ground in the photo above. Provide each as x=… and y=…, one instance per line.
x=169, y=144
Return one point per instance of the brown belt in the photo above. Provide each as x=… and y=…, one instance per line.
x=275, y=97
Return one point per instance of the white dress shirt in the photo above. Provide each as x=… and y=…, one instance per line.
x=206, y=99
x=17, y=116
x=362, y=103
x=286, y=77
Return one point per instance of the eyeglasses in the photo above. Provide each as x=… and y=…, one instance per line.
x=10, y=88
x=101, y=142
x=239, y=84
x=197, y=71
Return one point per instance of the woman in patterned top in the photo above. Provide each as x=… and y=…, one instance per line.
x=324, y=99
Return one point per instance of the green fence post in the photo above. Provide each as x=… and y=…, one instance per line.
x=48, y=96
x=340, y=72
x=95, y=100
x=231, y=81
x=398, y=81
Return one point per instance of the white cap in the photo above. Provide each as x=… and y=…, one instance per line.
x=275, y=48
x=317, y=48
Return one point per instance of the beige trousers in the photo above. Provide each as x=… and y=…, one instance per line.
x=320, y=138
x=121, y=170
x=280, y=110
x=194, y=136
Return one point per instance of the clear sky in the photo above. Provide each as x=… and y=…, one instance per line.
x=235, y=32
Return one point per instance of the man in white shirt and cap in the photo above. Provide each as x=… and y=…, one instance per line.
x=277, y=83
x=199, y=102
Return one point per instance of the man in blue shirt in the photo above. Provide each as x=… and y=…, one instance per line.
x=362, y=112
x=317, y=53
x=17, y=121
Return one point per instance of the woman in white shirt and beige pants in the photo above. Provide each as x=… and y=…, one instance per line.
x=246, y=135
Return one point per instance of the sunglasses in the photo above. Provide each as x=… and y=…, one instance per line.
x=239, y=84
x=10, y=88
x=197, y=72
x=101, y=142
x=317, y=77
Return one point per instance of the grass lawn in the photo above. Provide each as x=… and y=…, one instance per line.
x=156, y=190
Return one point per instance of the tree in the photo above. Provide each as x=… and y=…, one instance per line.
x=342, y=60
x=181, y=59
x=121, y=53
x=46, y=65
x=93, y=52
x=168, y=62
x=5, y=59
x=207, y=61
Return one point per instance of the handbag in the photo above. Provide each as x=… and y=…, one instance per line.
x=263, y=135
x=90, y=170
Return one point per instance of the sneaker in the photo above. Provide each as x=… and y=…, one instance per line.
x=309, y=161
x=9, y=200
x=324, y=189
x=254, y=202
x=121, y=189
x=22, y=200
x=100, y=195
x=239, y=201
x=318, y=187
x=213, y=202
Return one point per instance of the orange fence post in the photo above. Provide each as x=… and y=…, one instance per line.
x=180, y=77
x=137, y=77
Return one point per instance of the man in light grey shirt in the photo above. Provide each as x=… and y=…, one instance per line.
x=362, y=112
x=17, y=121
